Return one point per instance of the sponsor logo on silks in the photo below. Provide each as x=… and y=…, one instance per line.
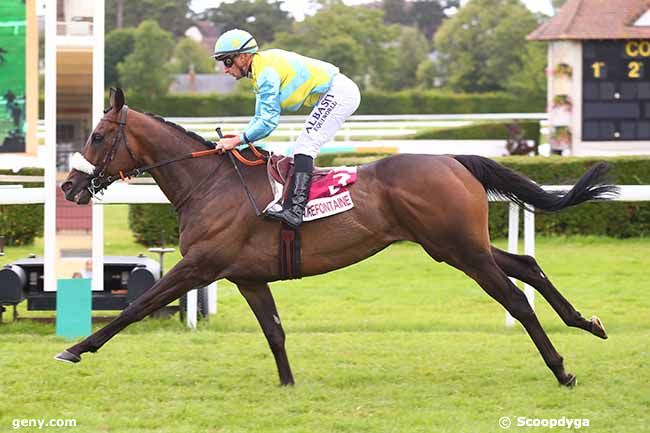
x=327, y=206
x=318, y=116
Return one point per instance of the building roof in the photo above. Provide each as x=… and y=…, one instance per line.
x=596, y=19
x=203, y=83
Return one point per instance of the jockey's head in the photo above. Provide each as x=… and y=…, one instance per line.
x=235, y=49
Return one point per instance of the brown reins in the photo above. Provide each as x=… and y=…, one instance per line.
x=99, y=181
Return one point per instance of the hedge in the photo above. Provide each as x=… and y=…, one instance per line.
x=616, y=219
x=21, y=223
x=372, y=102
x=482, y=131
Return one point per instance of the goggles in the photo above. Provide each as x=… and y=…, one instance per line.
x=228, y=61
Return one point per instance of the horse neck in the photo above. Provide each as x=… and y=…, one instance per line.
x=161, y=142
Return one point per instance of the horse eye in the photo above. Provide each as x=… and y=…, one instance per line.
x=97, y=138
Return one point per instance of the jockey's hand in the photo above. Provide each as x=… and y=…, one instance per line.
x=227, y=143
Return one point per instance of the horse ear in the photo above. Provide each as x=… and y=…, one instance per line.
x=118, y=100
x=111, y=96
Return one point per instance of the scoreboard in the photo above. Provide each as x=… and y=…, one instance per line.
x=616, y=90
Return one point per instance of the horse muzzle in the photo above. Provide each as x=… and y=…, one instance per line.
x=75, y=187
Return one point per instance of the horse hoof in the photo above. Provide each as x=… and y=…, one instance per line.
x=571, y=381
x=597, y=328
x=69, y=357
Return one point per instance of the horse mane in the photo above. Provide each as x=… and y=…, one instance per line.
x=207, y=143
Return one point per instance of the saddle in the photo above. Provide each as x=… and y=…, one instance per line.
x=328, y=195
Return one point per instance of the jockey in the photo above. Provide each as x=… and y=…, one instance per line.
x=285, y=80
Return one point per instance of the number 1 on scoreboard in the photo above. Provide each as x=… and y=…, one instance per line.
x=599, y=69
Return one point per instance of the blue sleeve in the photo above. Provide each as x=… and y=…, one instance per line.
x=267, y=107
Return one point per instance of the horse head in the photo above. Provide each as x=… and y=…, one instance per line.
x=105, y=155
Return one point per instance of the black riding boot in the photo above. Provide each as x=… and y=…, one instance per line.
x=294, y=206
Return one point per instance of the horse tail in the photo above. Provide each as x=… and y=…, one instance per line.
x=501, y=182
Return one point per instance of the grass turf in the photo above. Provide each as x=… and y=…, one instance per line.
x=397, y=343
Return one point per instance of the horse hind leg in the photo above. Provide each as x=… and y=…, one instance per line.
x=496, y=283
x=526, y=269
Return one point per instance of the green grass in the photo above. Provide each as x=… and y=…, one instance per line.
x=398, y=343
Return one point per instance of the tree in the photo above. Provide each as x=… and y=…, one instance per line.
x=353, y=38
x=529, y=80
x=479, y=46
x=426, y=74
x=189, y=52
x=259, y=17
x=118, y=44
x=557, y=4
x=146, y=70
x=171, y=15
x=412, y=48
x=428, y=15
x=397, y=12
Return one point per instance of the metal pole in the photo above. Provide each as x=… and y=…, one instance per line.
x=49, y=225
x=98, y=111
x=513, y=241
x=529, y=249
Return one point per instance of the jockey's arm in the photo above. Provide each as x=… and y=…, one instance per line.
x=267, y=112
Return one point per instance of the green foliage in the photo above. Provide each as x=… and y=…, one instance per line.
x=20, y=224
x=395, y=12
x=353, y=38
x=412, y=49
x=425, y=15
x=527, y=79
x=263, y=19
x=153, y=225
x=482, y=131
x=483, y=43
x=426, y=74
x=118, y=44
x=171, y=15
x=372, y=102
x=146, y=70
x=429, y=14
x=189, y=52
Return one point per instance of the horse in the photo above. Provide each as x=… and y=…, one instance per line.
x=439, y=202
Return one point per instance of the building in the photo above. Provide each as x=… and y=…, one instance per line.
x=206, y=33
x=598, y=80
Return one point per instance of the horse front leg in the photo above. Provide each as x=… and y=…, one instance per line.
x=186, y=275
x=260, y=299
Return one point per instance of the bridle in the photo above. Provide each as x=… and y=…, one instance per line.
x=98, y=181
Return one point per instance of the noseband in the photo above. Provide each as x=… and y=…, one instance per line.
x=98, y=180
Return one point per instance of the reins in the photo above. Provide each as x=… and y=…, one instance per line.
x=99, y=181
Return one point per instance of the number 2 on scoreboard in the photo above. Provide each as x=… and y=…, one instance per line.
x=635, y=70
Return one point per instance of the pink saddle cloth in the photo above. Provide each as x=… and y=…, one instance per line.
x=328, y=194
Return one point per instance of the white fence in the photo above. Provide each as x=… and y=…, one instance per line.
x=125, y=193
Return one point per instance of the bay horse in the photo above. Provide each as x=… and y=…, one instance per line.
x=439, y=202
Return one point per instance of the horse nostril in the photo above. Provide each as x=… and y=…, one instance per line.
x=66, y=186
